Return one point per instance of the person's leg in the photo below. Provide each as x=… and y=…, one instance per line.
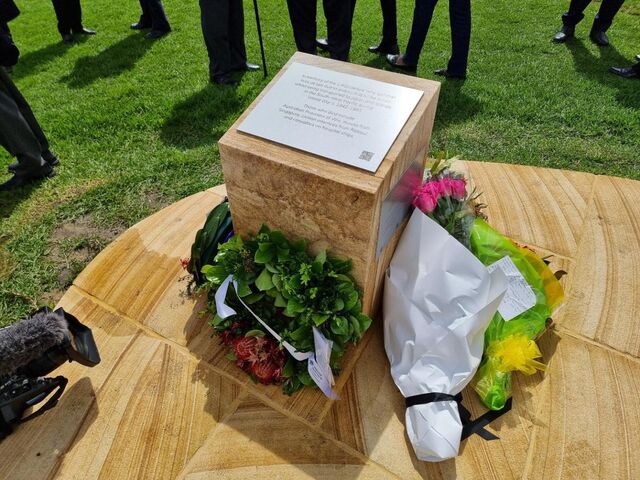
x=339, y=15
x=62, y=15
x=16, y=135
x=145, y=16
x=75, y=15
x=422, y=15
x=159, y=21
x=389, y=23
x=303, y=21
x=604, y=18
x=236, y=35
x=460, y=20
x=575, y=14
x=214, y=16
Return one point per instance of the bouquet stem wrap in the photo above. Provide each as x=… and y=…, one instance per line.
x=438, y=302
x=510, y=345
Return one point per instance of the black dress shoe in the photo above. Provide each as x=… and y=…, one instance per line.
x=599, y=38
x=47, y=156
x=564, y=34
x=21, y=180
x=637, y=58
x=323, y=44
x=247, y=67
x=67, y=38
x=393, y=61
x=625, y=72
x=385, y=50
x=443, y=72
x=84, y=31
x=226, y=80
x=139, y=26
x=155, y=34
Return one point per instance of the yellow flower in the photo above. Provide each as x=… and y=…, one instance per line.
x=516, y=353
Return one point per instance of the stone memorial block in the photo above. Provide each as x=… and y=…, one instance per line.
x=305, y=182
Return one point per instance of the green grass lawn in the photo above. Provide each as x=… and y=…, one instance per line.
x=135, y=123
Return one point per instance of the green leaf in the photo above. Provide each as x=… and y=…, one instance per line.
x=278, y=238
x=340, y=326
x=263, y=282
x=321, y=257
x=289, y=369
x=319, y=319
x=265, y=254
x=365, y=322
x=231, y=356
x=283, y=254
x=254, y=333
x=306, y=379
x=293, y=308
x=338, y=305
x=253, y=298
x=243, y=289
x=299, y=245
x=280, y=301
x=215, y=273
x=300, y=333
x=217, y=320
x=275, y=278
x=351, y=301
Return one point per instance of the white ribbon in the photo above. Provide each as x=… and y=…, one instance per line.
x=318, y=364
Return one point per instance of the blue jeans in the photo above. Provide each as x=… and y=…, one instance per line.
x=460, y=19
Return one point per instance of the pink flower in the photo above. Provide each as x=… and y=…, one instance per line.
x=426, y=197
x=184, y=262
x=459, y=188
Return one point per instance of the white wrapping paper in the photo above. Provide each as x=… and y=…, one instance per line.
x=438, y=302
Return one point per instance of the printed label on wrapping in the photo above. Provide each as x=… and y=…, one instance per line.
x=318, y=365
x=520, y=297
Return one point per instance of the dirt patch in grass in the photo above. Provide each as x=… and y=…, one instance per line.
x=73, y=245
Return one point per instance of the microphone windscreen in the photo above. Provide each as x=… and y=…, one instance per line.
x=28, y=339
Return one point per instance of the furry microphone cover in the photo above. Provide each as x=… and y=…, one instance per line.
x=29, y=339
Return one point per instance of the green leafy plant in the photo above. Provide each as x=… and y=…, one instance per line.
x=292, y=292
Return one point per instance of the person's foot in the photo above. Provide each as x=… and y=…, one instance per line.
x=67, y=38
x=47, y=156
x=383, y=49
x=139, y=26
x=226, y=80
x=624, y=72
x=155, y=34
x=18, y=181
x=565, y=33
x=443, y=72
x=599, y=38
x=397, y=61
x=323, y=44
x=84, y=31
x=637, y=58
x=247, y=67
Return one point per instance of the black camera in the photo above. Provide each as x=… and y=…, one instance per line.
x=31, y=349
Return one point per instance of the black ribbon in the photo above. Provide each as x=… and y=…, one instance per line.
x=469, y=427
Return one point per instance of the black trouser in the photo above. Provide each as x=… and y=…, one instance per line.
x=69, y=14
x=603, y=20
x=20, y=132
x=460, y=20
x=223, y=30
x=389, y=23
x=339, y=15
x=153, y=15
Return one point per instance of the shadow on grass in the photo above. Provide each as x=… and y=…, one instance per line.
x=596, y=67
x=10, y=199
x=455, y=106
x=112, y=62
x=32, y=61
x=201, y=119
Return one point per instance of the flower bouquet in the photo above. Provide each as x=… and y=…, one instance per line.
x=287, y=317
x=534, y=292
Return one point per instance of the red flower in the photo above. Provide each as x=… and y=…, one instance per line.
x=244, y=348
x=184, y=263
x=266, y=372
